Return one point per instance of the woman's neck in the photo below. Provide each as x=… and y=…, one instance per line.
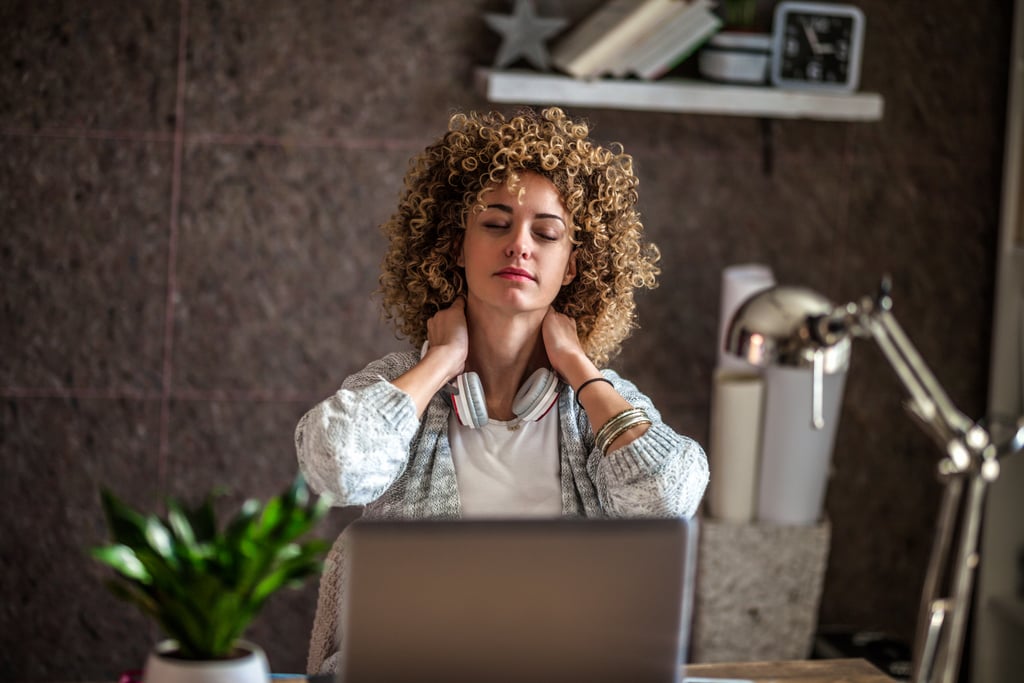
x=504, y=353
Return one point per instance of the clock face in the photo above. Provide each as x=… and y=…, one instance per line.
x=817, y=48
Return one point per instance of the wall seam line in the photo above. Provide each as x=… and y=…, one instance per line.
x=172, y=251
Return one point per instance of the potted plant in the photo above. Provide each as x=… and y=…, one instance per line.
x=204, y=585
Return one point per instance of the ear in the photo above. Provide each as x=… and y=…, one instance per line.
x=460, y=248
x=570, y=269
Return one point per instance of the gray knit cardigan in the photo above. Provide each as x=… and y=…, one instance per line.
x=364, y=446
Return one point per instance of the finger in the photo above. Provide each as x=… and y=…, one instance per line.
x=551, y=316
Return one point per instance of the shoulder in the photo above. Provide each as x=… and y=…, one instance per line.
x=402, y=360
x=387, y=368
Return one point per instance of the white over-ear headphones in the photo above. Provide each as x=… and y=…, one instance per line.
x=532, y=402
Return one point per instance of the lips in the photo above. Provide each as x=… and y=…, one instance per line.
x=515, y=273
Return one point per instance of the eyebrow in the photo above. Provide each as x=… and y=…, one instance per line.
x=508, y=209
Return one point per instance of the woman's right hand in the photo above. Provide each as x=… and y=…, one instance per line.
x=448, y=337
x=445, y=356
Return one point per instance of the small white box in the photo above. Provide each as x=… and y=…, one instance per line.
x=734, y=57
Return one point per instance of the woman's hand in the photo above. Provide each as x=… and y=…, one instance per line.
x=448, y=336
x=448, y=345
x=562, y=343
x=567, y=358
x=448, y=339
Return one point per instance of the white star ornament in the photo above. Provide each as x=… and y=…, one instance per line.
x=523, y=34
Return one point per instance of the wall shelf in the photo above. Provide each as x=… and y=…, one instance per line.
x=677, y=95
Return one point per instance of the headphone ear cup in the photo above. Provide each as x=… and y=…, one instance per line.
x=536, y=397
x=469, y=401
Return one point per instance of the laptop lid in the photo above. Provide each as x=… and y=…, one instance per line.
x=518, y=600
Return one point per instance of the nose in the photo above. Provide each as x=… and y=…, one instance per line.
x=518, y=242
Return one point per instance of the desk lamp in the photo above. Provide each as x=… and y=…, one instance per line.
x=797, y=327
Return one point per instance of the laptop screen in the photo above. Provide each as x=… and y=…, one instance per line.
x=518, y=600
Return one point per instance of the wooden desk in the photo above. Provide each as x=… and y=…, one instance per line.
x=804, y=671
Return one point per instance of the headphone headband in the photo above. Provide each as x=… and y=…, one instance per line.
x=532, y=402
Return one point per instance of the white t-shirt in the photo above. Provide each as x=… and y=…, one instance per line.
x=508, y=469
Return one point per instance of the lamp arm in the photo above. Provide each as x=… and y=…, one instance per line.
x=929, y=402
x=968, y=469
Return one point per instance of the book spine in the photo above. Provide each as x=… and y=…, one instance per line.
x=697, y=32
x=590, y=31
x=613, y=36
x=660, y=40
x=673, y=12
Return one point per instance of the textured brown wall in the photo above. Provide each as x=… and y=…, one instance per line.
x=189, y=195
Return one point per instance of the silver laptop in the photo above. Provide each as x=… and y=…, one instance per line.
x=495, y=601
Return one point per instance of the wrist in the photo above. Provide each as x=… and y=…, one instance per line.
x=586, y=383
x=576, y=370
x=447, y=359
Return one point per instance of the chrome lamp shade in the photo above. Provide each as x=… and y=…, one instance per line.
x=776, y=327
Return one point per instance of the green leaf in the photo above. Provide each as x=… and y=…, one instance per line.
x=159, y=539
x=273, y=516
x=126, y=525
x=133, y=593
x=296, y=565
x=191, y=626
x=241, y=525
x=299, y=492
x=180, y=525
x=124, y=560
x=203, y=520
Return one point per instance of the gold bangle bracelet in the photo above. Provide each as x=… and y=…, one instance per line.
x=611, y=435
x=617, y=425
x=622, y=430
x=623, y=417
x=614, y=421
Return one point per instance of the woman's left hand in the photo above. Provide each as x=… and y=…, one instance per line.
x=567, y=358
x=562, y=342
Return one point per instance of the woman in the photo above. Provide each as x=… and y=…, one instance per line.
x=514, y=255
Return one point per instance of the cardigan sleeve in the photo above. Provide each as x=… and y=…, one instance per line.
x=660, y=474
x=355, y=444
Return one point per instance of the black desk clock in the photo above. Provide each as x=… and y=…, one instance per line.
x=817, y=46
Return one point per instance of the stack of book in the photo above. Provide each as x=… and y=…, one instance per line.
x=643, y=38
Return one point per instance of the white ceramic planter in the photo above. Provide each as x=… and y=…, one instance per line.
x=250, y=668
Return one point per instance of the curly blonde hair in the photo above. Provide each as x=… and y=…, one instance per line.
x=419, y=274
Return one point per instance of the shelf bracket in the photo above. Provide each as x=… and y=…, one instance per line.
x=767, y=145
